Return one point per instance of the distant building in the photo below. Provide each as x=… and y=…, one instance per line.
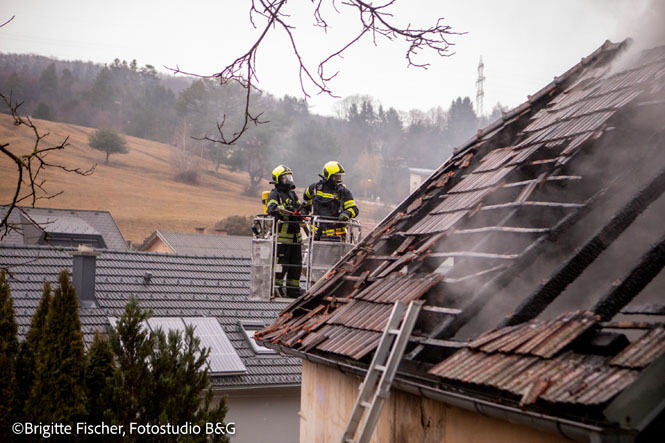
x=538, y=251
x=417, y=176
x=200, y=244
x=62, y=227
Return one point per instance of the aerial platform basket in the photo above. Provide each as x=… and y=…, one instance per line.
x=319, y=254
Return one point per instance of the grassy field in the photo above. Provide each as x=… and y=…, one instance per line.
x=138, y=188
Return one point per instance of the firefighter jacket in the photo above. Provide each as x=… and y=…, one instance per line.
x=329, y=199
x=279, y=198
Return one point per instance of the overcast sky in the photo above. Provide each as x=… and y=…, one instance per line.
x=523, y=43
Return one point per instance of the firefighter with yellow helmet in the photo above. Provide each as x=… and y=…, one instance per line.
x=330, y=198
x=283, y=204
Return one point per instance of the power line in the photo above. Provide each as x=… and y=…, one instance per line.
x=480, y=87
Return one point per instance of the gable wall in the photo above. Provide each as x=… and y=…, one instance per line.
x=328, y=396
x=157, y=245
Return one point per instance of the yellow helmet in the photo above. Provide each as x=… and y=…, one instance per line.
x=282, y=175
x=333, y=170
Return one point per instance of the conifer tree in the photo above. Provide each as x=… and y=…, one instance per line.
x=98, y=377
x=58, y=392
x=178, y=378
x=8, y=356
x=161, y=377
x=131, y=344
x=25, y=371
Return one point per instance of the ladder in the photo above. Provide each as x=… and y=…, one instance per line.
x=376, y=387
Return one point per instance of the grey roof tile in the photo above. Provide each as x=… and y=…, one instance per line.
x=203, y=244
x=68, y=221
x=181, y=286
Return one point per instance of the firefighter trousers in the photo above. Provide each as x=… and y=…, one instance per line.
x=289, y=257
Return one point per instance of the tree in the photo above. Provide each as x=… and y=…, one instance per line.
x=58, y=393
x=131, y=345
x=462, y=121
x=44, y=111
x=101, y=93
x=48, y=83
x=109, y=141
x=8, y=355
x=160, y=376
x=25, y=371
x=235, y=225
x=178, y=377
x=98, y=377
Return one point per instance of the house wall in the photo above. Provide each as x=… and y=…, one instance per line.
x=157, y=245
x=266, y=414
x=328, y=397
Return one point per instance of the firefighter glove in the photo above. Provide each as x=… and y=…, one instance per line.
x=344, y=216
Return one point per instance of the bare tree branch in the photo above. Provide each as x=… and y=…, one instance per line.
x=12, y=18
x=30, y=166
x=376, y=20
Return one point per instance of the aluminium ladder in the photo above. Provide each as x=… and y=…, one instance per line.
x=376, y=386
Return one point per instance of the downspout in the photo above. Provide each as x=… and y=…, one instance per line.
x=567, y=428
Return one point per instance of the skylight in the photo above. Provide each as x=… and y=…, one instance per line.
x=249, y=328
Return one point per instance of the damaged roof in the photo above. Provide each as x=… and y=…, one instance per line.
x=169, y=285
x=530, y=247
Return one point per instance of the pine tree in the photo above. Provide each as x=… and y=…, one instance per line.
x=58, y=392
x=8, y=356
x=25, y=371
x=131, y=344
x=98, y=377
x=160, y=377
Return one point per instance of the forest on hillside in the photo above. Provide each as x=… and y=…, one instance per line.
x=376, y=145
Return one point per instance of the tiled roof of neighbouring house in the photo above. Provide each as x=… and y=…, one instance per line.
x=64, y=226
x=203, y=244
x=178, y=286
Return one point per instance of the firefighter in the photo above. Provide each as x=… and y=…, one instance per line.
x=332, y=199
x=283, y=204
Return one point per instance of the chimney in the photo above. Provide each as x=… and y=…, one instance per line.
x=83, y=275
x=220, y=232
x=200, y=230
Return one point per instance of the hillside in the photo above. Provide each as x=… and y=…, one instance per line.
x=137, y=188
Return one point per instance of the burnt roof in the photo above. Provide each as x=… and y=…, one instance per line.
x=538, y=231
x=179, y=286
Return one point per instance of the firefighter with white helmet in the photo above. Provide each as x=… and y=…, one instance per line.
x=284, y=205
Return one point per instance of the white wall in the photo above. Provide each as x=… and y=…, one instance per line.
x=264, y=415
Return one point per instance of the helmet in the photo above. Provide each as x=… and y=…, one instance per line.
x=333, y=170
x=282, y=175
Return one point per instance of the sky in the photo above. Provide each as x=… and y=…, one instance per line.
x=524, y=44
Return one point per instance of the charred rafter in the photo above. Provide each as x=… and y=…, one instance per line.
x=649, y=266
x=585, y=255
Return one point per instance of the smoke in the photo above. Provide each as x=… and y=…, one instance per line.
x=646, y=25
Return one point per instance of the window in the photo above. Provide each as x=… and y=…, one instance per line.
x=249, y=328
